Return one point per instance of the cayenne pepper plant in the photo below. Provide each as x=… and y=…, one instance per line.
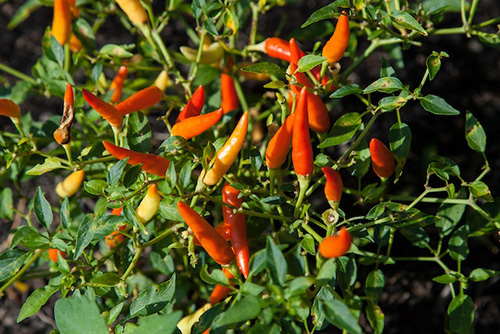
x=168, y=222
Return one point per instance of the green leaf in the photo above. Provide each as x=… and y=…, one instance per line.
x=374, y=285
x=115, y=173
x=346, y=90
x=433, y=64
x=114, y=50
x=327, y=12
x=35, y=301
x=79, y=314
x=298, y=286
x=490, y=39
x=405, y=20
x=57, y=49
x=153, y=299
x=185, y=174
x=48, y=165
x=23, y=13
x=474, y=133
x=343, y=130
x=139, y=132
x=96, y=72
x=30, y=237
x=386, y=70
x=264, y=68
x=215, y=277
x=375, y=317
x=43, y=210
x=479, y=189
x=11, y=261
x=106, y=279
x=417, y=236
x=308, y=62
x=84, y=237
x=276, y=84
x=6, y=204
x=85, y=34
x=385, y=85
x=276, y=262
x=327, y=272
x=445, y=279
x=449, y=216
x=339, y=315
x=308, y=244
x=255, y=158
x=436, y=105
x=95, y=187
x=461, y=315
x=458, y=244
x=400, y=143
x=156, y=324
x=168, y=210
x=482, y=274
x=242, y=310
x=64, y=213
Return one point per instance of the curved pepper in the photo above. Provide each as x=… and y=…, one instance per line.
x=277, y=48
x=236, y=224
x=221, y=229
x=229, y=97
x=117, y=84
x=333, y=186
x=196, y=125
x=149, y=205
x=62, y=135
x=134, y=10
x=71, y=184
x=383, y=163
x=143, y=99
x=336, y=245
x=61, y=23
x=220, y=292
x=335, y=47
x=194, y=105
x=10, y=109
x=210, y=240
x=106, y=110
x=152, y=163
x=302, y=154
x=279, y=145
x=228, y=153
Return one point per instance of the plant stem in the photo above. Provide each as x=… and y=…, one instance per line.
x=17, y=74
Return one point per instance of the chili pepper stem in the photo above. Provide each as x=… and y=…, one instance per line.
x=304, y=181
x=116, y=134
x=233, y=269
x=67, y=57
x=17, y=124
x=67, y=148
x=200, y=186
x=273, y=173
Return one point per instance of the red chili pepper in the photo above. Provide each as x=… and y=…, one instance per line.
x=196, y=125
x=295, y=55
x=383, y=163
x=210, y=240
x=153, y=164
x=277, y=48
x=279, y=145
x=302, y=154
x=115, y=238
x=221, y=229
x=10, y=109
x=117, y=84
x=236, y=224
x=228, y=153
x=334, y=49
x=220, y=292
x=62, y=135
x=229, y=96
x=333, y=186
x=194, y=105
x=107, y=111
x=61, y=23
x=336, y=245
x=53, y=254
x=143, y=99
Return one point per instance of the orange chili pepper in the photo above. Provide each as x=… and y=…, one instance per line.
x=10, y=109
x=383, y=163
x=279, y=145
x=107, y=111
x=75, y=44
x=210, y=240
x=75, y=11
x=236, y=224
x=196, y=125
x=277, y=48
x=117, y=84
x=134, y=10
x=333, y=186
x=228, y=153
x=221, y=229
x=53, y=254
x=229, y=96
x=149, y=205
x=302, y=154
x=220, y=292
x=194, y=105
x=152, y=163
x=61, y=23
x=62, y=135
x=71, y=184
x=295, y=55
x=115, y=238
x=117, y=211
x=143, y=99
x=335, y=47
x=336, y=245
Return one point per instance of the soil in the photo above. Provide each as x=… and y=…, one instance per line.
x=468, y=80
